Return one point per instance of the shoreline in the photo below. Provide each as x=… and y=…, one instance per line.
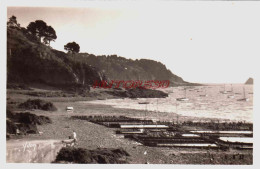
x=80, y=102
x=93, y=136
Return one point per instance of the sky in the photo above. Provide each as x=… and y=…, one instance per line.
x=200, y=42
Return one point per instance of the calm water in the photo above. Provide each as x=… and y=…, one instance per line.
x=214, y=105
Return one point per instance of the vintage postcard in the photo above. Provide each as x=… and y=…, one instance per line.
x=127, y=82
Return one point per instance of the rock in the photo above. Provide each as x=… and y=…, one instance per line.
x=250, y=81
x=25, y=122
x=98, y=156
x=138, y=93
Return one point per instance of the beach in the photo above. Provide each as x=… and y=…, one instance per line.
x=92, y=136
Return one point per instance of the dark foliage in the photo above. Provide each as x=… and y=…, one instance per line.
x=120, y=68
x=72, y=47
x=28, y=118
x=41, y=30
x=18, y=86
x=25, y=122
x=38, y=104
x=29, y=61
x=12, y=23
x=50, y=35
x=11, y=127
x=138, y=93
x=98, y=156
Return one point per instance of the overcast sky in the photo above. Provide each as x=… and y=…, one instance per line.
x=201, y=42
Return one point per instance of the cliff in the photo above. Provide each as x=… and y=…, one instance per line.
x=29, y=61
x=119, y=68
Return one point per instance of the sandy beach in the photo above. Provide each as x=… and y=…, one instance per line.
x=92, y=136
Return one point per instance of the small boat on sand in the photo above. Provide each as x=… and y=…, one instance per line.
x=224, y=91
x=68, y=108
x=231, y=96
x=246, y=99
x=230, y=91
x=205, y=93
x=183, y=98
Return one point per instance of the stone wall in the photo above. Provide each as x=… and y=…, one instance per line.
x=32, y=151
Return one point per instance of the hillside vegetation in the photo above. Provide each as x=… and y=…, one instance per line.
x=119, y=68
x=31, y=60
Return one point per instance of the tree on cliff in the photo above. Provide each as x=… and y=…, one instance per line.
x=72, y=47
x=13, y=22
x=50, y=35
x=42, y=31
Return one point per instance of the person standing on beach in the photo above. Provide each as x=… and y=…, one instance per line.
x=17, y=131
x=74, y=136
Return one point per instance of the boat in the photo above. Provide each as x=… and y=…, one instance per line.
x=145, y=103
x=204, y=95
x=230, y=91
x=245, y=98
x=183, y=98
x=231, y=96
x=224, y=91
x=69, y=108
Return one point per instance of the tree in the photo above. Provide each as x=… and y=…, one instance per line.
x=72, y=47
x=13, y=22
x=42, y=31
x=50, y=35
x=37, y=28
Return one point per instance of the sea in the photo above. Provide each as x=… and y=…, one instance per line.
x=207, y=101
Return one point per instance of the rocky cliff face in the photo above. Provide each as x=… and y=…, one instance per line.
x=30, y=61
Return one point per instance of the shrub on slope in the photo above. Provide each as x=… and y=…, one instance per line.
x=38, y=104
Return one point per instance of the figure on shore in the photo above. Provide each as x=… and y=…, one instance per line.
x=17, y=131
x=74, y=136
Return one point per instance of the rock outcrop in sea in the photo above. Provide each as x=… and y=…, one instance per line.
x=250, y=81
